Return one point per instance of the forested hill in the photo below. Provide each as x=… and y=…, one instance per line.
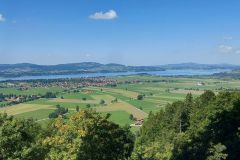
x=231, y=74
x=200, y=66
x=205, y=128
x=27, y=69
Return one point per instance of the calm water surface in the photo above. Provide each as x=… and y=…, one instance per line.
x=188, y=72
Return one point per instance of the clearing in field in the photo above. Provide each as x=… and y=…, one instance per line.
x=119, y=117
x=107, y=98
x=123, y=106
x=59, y=100
x=22, y=108
x=37, y=114
x=97, y=99
x=126, y=93
x=76, y=96
x=184, y=91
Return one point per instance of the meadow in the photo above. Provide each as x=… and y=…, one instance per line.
x=120, y=101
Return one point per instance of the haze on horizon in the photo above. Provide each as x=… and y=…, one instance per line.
x=143, y=32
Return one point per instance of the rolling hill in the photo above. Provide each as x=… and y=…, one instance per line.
x=27, y=69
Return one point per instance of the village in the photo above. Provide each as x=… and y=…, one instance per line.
x=23, y=87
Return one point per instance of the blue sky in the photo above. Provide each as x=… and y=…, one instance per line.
x=132, y=32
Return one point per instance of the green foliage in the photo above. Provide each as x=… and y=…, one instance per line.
x=60, y=111
x=115, y=100
x=77, y=108
x=132, y=118
x=50, y=95
x=203, y=128
x=88, y=105
x=140, y=97
x=102, y=102
x=88, y=136
x=18, y=138
x=217, y=152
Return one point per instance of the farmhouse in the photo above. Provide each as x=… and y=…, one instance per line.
x=138, y=123
x=200, y=84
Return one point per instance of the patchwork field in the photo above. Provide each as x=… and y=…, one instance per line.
x=120, y=101
x=23, y=108
x=123, y=106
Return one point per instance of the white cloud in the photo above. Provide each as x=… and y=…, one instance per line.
x=225, y=48
x=227, y=38
x=111, y=14
x=87, y=55
x=228, y=49
x=2, y=19
x=237, y=51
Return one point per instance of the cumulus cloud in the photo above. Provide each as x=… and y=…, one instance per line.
x=225, y=48
x=109, y=15
x=226, y=38
x=228, y=49
x=2, y=19
x=87, y=55
x=237, y=51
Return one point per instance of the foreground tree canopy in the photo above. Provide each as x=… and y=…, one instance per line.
x=86, y=136
x=205, y=128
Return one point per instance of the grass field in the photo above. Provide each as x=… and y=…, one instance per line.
x=157, y=91
x=36, y=91
x=123, y=106
x=77, y=95
x=37, y=114
x=23, y=108
x=120, y=117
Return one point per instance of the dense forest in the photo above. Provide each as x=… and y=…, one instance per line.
x=207, y=127
x=85, y=136
x=204, y=128
x=235, y=74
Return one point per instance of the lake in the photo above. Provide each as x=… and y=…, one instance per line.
x=183, y=72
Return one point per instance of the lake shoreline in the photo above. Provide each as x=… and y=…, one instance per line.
x=183, y=72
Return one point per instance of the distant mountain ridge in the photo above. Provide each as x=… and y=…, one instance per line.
x=28, y=69
x=199, y=66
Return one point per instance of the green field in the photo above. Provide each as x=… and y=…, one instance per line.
x=157, y=91
x=120, y=117
x=38, y=114
x=75, y=96
x=31, y=91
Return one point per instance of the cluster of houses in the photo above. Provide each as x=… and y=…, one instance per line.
x=20, y=98
x=137, y=123
x=75, y=83
x=200, y=84
x=63, y=83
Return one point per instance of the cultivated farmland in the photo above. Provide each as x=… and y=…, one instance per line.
x=120, y=101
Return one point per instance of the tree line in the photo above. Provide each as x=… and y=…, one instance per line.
x=205, y=128
x=12, y=99
x=86, y=135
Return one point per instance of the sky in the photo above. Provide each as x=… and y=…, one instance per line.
x=131, y=32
